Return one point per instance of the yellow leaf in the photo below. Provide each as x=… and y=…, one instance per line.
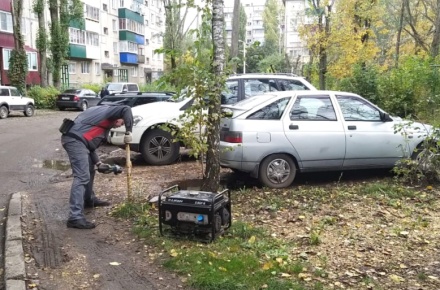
x=115, y=263
x=267, y=265
x=429, y=187
x=285, y=275
x=222, y=269
x=96, y=276
x=279, y=260
x=173, y=253
x=396, y=278
x=32, y=285
x=251, y=240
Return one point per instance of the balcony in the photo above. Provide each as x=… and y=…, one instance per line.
x=141, y=58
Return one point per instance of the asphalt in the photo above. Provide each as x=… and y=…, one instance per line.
x=14, y=270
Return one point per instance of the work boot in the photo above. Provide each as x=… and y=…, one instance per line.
x=95, y=203
x=82, y=224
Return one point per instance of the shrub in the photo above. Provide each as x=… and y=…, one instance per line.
x=45, y=98
x=157, y=86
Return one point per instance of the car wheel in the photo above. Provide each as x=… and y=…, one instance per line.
x=4, y=112
x=84, y=106
x=61, y=108
x=277, y=171
x=157, y=148
x=30, y=110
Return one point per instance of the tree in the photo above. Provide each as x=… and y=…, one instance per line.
x=211, y=181
x=62, y=12
x=271, y=23
x=235, y=31
x=42, y=40
x=18, y=66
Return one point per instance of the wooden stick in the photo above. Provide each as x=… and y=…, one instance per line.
x=128, y=165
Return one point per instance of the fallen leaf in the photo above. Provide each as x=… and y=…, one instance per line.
x=251, y=240
x=267, y=266
x=96, y=276
x=173, y=253
x=396, y=278
x=115, y=263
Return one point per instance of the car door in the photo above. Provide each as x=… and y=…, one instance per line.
x=370, y=141
x=316, y=132
x=18, y=103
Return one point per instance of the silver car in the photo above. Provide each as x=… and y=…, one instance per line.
x=274, y=136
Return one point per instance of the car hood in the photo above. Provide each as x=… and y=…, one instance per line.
x=29, y=100
x=411, y=126
x=157, y=109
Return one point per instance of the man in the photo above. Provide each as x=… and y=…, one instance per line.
x=89, y=130
x=104, y=92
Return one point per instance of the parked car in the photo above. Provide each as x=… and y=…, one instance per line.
x=274, y=137
x=135, y=99
x=77, y=98
x=122, y=87
x=11, y=100
x=242, y=86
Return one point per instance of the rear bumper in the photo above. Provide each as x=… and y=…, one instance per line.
x=68, y=104
x=231, y=155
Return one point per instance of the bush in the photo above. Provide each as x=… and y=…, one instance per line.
x=45, y=98
x=94, y=87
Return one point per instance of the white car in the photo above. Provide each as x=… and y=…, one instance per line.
x=12, y=100
x=153, y=143
x=273, y=137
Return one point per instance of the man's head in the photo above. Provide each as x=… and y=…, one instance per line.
x=118, y=123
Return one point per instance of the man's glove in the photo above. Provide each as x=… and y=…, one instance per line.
x=104, y=168
x=127, y=137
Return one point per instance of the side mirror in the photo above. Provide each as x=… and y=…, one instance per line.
x=385, y=117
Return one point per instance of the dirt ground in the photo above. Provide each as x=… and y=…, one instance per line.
x=107, y=257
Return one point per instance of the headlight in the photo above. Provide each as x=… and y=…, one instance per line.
x=136, y=120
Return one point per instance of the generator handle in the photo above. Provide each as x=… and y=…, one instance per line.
x=226, y=190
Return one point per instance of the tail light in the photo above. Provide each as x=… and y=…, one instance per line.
x=76, y=98
x=231, y=137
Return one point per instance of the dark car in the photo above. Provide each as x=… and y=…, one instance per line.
x=77, y=98
x=135, y=99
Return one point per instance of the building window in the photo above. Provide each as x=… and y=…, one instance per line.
x=72, y=68
x=114, y=25
x=92, y=38
x=104, y=7
x=92, y=12
x=6, y=57
x=106, y=54
x=105, y=30
x=115, y=48
x=134, y=71
x=32, y=61
x=77, y=36
x=6, y=22
x=97, y=68
x=127, y=46
x=134, y=26
x=85, y=68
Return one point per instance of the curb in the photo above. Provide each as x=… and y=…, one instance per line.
x=15, y=271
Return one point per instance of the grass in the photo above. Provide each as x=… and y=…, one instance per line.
x=252, y=254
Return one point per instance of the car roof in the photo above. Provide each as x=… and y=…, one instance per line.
x=265, y=75
x=122, y=83
x=140, y=94
x=8, y=87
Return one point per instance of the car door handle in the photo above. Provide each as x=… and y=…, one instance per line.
x=352, y=127
x=293, y=127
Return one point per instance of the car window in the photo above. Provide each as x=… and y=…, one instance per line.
x=14, y=92
x=114, y=101
x=292, y=85
x=132, y=88
x=124, y=88
x=355, y=109
x=273, y=111
x=313, y=108
x=230, y=93
x=4, y=92
x=114, y=87
x=254, y=87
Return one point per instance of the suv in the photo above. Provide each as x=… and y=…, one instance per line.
x=12, y=100
x=157, y=146
x=114, y=88
x=137, y=99
x=242, y=86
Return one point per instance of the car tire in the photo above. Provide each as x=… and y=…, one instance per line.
x=4, y=112
x=277, y=171
x=84, y=106
x=29, y=111
x=157, y=147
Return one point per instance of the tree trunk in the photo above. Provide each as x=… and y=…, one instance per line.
x=235, y=32
x=42, y=41
x=55, y=32
x=436, y=37
x=211, y=180
x=18, y=62
x=399, y=34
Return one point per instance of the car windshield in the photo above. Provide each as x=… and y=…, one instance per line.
x=114, y=87
x=72, y=91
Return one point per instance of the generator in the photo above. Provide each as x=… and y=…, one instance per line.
x=196, y=214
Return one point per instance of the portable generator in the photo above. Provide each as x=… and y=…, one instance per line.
x=198, y=214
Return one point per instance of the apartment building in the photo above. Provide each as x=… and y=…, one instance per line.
x=116, y=42
x=294, y=18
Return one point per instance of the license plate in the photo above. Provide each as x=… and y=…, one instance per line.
x=65, y=98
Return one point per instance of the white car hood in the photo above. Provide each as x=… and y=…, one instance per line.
x=29, y=100
x=157, y=109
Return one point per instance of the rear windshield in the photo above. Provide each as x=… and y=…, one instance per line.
x=71, y=91
x=114, y=101
x=251, y=102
